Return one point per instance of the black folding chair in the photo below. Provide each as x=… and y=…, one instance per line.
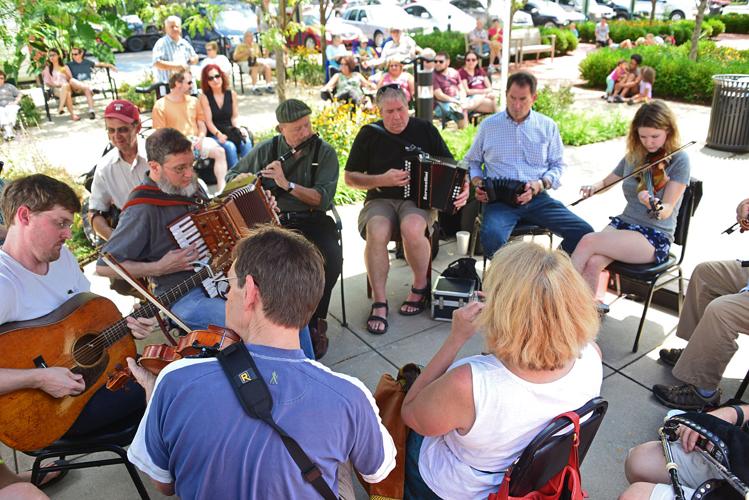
x=657, y=276
x=548, y=453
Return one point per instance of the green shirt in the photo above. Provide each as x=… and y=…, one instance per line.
x=296, y=170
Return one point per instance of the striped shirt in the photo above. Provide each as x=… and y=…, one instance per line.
x=167, y=49
x=525, y=151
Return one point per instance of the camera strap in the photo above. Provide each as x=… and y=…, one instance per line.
x=257, y=401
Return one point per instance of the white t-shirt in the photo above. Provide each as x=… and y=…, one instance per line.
x=220, y=60
x=510, y=412
x=114, y=179
x=27, y=295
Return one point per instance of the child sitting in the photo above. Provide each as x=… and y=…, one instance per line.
x=619, y=71
x=646, y=86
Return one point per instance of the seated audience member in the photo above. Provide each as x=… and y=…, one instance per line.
x=276, y=282
x=375, y=164
x=477, y=87
x=478, y=39
x=620, y=71
x=213, y=57
x=449, y=96
x=539, y=164
x=250, y=59
x=646, y=86
x=56, y=77
x=335, y=52
x=495, y=44
x=715, y=312
x=304, y=187
x=10, y=99
x=37, y=275
x=628, y=86
x=602, y=33
x=220, y=112
x=181, y=111
x=624, y=44
x=471, y=418
x=395, y=75
x=573, y=28
x=121, y=169
x=401, y=45
x=646, y=471
x=347, y=85
x=81, y=68
x=366, y=54
x=644, y=231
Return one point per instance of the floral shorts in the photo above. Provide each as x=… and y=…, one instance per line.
x=658, y=239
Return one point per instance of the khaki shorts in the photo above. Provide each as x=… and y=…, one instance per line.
x=394, y=211
x=693, y=471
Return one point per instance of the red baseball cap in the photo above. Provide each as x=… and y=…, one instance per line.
x=122, y=109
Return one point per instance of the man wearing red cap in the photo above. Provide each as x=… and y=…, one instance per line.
x=121, y=169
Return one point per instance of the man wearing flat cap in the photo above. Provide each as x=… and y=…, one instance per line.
x=304, y=186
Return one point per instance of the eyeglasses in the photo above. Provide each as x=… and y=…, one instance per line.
x=181, y=169
x=395, y=66
x=119, y=130
x=61, y=224
x=223, y=285
x=439, y=61
x=214, y=77
x=471, y=59
x=188, y=82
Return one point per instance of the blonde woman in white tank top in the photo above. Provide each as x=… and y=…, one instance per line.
x=478, y=414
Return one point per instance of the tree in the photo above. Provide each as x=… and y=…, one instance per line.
x=697, y=30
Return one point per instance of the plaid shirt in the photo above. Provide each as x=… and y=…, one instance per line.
x=167, y=49
x=525, y=151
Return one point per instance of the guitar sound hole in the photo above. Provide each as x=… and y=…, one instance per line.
x=87, y=351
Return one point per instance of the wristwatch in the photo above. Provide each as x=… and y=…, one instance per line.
x=291, y=187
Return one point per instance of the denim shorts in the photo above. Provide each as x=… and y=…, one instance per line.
x=658, y=239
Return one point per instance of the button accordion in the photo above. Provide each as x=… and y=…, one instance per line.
x=434, y=182
x=216, y=228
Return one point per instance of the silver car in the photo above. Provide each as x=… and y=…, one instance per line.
x=376, y=20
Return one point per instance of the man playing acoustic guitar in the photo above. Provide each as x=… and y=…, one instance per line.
x=38, y=274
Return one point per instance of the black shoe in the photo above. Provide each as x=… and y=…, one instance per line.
x=670, y=356
x=319, y=338
x=91, y=115
x=684, y=397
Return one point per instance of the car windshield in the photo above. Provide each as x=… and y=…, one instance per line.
x=236, y=20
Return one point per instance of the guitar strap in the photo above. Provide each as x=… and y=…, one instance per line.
x=152, y=195
x=257, y=401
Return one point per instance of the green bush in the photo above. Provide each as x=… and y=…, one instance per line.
x=144, y=102
x=29, y=114
x=676, y=75
x=459, y=141
x=733, y=23
x=632, y=30
x=451, y=42
x=307, y=68
x=565, y=42
x=716, y=24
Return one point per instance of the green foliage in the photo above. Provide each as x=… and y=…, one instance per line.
x=578, y=128
x=459, y=140
x=450, y=42
x=29, y=114
x=565, y=42
x=338, y=125
x=676, y=76
x=716, y=24
x=632, y=30
x=307, y=67
x=195, y=17
x=144, y=102
x=733, y=23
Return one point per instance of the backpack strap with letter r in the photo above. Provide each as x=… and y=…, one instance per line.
x=257, y=401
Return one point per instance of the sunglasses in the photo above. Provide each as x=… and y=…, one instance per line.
x=77, y=53
x=471, y=59
x=389, y=86
x=439, y=61
x=214, y=77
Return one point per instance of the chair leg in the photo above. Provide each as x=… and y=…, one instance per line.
x=742, y=387
x=343, y=295
x=644, y=313
x=680, y=300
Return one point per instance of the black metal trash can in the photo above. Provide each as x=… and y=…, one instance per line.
x=729, y=116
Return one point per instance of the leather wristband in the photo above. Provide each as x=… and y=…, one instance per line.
x=739, y=415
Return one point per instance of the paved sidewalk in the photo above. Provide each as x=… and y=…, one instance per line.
x=633, y=415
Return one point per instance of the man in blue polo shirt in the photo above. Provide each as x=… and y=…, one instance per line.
x=195, y=439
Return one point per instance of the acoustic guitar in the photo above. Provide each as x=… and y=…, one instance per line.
x=86, y=334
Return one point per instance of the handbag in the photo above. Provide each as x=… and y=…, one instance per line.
x=566, y=484
x=464, y=268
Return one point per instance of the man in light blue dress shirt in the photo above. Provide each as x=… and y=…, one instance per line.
x=522, y=145
x=172, y=53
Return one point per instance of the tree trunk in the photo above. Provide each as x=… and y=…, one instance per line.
x=697, y=29
x=280, y=64
x=323, y=21
x=652, y=11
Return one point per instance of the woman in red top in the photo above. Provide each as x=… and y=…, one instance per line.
x=495, y=41
x=478, y=88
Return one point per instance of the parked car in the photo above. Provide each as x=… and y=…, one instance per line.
x=376, y=20
x=675, y=10
x=736, y=8
x=550, y=14
x=141, y=37
x=477, y=10
x=443, y=16
x=228, y=30
x=595, y=10
x=309, y=37
x=620, y=11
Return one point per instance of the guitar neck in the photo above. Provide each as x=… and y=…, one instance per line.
x=118, y=330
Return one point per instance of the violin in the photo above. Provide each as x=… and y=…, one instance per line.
x=654, y=179
x=196, y=344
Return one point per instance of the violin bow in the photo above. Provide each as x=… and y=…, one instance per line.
x=122, y=272
x=635, y=172
x=731, y=229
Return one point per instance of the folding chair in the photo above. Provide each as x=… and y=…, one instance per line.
x=548, y=452
x=112, y=439
x=742, y=387
x=339, y=230
x=651, y=274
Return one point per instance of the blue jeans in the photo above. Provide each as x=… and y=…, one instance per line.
x=543, y=210
x=198, y=311
x=415, y=488
x=231, y=152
